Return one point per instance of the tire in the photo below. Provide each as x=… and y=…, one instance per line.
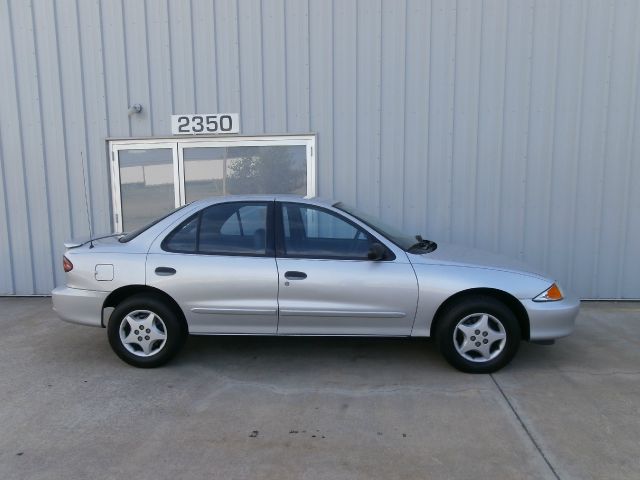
x=159, y=340
x=479, y=334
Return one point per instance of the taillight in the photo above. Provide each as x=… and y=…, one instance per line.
x=66, y=264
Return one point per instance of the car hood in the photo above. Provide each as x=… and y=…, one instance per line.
x=448, y=254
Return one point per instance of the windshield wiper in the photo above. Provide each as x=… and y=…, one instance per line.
x=422, y=244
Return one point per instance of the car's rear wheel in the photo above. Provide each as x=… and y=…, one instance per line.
x=145, y=332
x=478, y=334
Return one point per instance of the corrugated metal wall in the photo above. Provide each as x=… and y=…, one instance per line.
x=508, y=125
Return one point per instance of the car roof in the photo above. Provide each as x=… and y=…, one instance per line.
x=281, y=197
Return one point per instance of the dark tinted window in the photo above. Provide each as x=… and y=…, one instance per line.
x=131, y=235
x=318, y=233
x=183, y=238
x=234, y=228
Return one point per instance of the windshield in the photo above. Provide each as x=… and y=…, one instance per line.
x=131, y=235
x=404, y=240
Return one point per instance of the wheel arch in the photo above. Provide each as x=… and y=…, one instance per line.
x=506, y=298
x=122, y=293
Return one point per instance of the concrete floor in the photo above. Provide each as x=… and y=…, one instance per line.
x=293, y=408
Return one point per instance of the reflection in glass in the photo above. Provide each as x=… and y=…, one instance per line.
x=146, y=185
x=213, y=171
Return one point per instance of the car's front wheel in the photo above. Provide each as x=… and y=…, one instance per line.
x=478, y=335
x=144, y=332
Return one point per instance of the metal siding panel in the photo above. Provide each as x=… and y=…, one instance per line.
x=440, y=134
x=416, y=114
x=321, y=103
x=228, y=67
x=465, y=134
x=115, y=68
x=160, y=107
x=27, y=77
x=95, y=113
x=297, y=64
x=274, y=67
x=394, y=17
x=344, y=90
x=54, y=133
x=541, y=130
x=628, y=264
x=515, y=129
x=182, y=60
x=204, y=46
x=20, y=261
x=6, y=271
x=368, y=95
x=251, y=71
x=73, y=111
x=615, y=187
x=512, y=126
x=566, y=142
x=594, y=114
x=490, y=124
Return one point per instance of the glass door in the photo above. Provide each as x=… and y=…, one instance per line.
x=145, y=182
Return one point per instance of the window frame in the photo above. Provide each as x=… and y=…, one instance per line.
x=269, y=233
x=279, y=235
x=178, y=145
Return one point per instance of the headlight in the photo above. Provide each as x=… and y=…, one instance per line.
x=551, y=294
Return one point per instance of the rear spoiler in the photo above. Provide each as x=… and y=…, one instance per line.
x=78, y=242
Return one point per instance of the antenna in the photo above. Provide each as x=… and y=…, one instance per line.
x=86, y=201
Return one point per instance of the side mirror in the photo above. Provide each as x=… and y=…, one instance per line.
x=376, y=252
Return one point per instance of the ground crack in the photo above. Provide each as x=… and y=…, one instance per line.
x=529, y=434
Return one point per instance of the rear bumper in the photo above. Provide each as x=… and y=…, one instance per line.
x=551, y=320
x=74, y=305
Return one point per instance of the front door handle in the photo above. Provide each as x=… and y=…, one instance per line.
x=165, y=271
x=293, y=275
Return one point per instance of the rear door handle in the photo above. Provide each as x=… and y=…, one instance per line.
x=165, y=271
x=293, y=275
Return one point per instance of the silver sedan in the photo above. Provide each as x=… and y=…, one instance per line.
x=284, y=265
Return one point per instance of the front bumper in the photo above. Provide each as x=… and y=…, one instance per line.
x=79, y=306
x=551, y=320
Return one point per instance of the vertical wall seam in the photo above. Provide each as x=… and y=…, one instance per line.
x=333, y=96
x=264, y=108
x=380, y=114
x=527, y=135
x=193, y=58
x=149, y=83
x=309, y=112
x=84, y=116
x=21, y=135
x=45, y=166
x=404, y=113
x=12, y=289
x=425, y=220
x=239, y=61
x=126, y=59
x=285, y=66
x=104, y=72
x=355, y=98
x=172, y=98
x=63, y=119
x=497, y=244
x=452, y=126
x=478, y=105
